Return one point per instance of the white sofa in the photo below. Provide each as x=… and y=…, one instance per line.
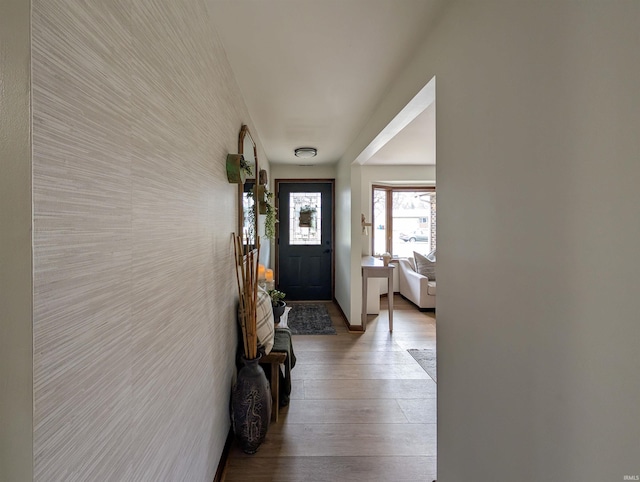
x=415, y=287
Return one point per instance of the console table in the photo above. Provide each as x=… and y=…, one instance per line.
x=375, y=268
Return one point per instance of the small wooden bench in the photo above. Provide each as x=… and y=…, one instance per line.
x=275, y=358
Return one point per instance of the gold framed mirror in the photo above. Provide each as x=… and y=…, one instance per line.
x=247, y=192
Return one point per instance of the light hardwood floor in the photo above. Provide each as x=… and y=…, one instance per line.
x=361, y=408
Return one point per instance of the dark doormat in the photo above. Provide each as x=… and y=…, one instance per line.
x=310, y=319
x=426, y=358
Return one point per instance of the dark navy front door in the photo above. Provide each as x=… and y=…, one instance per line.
x=305, y=240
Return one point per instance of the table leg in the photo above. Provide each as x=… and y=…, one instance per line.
x=365, y=279
x=390, y=300
x=275, y=391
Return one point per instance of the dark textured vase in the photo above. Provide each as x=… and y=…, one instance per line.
x=251, y=406
x=278, y=310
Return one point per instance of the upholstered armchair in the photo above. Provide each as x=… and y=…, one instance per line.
x=416, y=287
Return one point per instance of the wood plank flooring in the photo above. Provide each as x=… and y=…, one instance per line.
x=361, y=408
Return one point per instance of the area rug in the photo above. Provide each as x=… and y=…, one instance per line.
x=310, y=319
x=426, y=358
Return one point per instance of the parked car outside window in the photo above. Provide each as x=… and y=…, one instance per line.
x=417, y=235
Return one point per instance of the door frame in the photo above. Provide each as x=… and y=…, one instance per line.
x=331, y=181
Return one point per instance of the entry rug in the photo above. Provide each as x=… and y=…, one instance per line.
x=426, y=358
x=310, y=319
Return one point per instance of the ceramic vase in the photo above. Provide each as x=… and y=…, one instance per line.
x=278, y=311
x=251, y=406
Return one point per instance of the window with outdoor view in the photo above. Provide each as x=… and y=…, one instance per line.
x=404, y=220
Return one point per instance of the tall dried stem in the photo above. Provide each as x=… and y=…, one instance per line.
x=247, y=271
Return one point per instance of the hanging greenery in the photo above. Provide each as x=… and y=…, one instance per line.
x=270, y=219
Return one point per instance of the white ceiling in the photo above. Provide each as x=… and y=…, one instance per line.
x=312, y=71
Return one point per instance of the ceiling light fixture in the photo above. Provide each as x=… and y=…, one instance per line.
x=306, y=152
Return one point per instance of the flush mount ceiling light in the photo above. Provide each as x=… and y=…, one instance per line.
x=306, y=152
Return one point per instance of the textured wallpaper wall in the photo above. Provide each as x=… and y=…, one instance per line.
x=134, y=110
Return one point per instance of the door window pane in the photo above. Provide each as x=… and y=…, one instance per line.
x=305, y=218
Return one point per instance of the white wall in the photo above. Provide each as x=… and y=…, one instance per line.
x=355, y=244
x=293, y=171
x=343, y=240
x=16, y=354
x=538, y=202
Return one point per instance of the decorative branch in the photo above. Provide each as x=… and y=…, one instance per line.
x=247, y=271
